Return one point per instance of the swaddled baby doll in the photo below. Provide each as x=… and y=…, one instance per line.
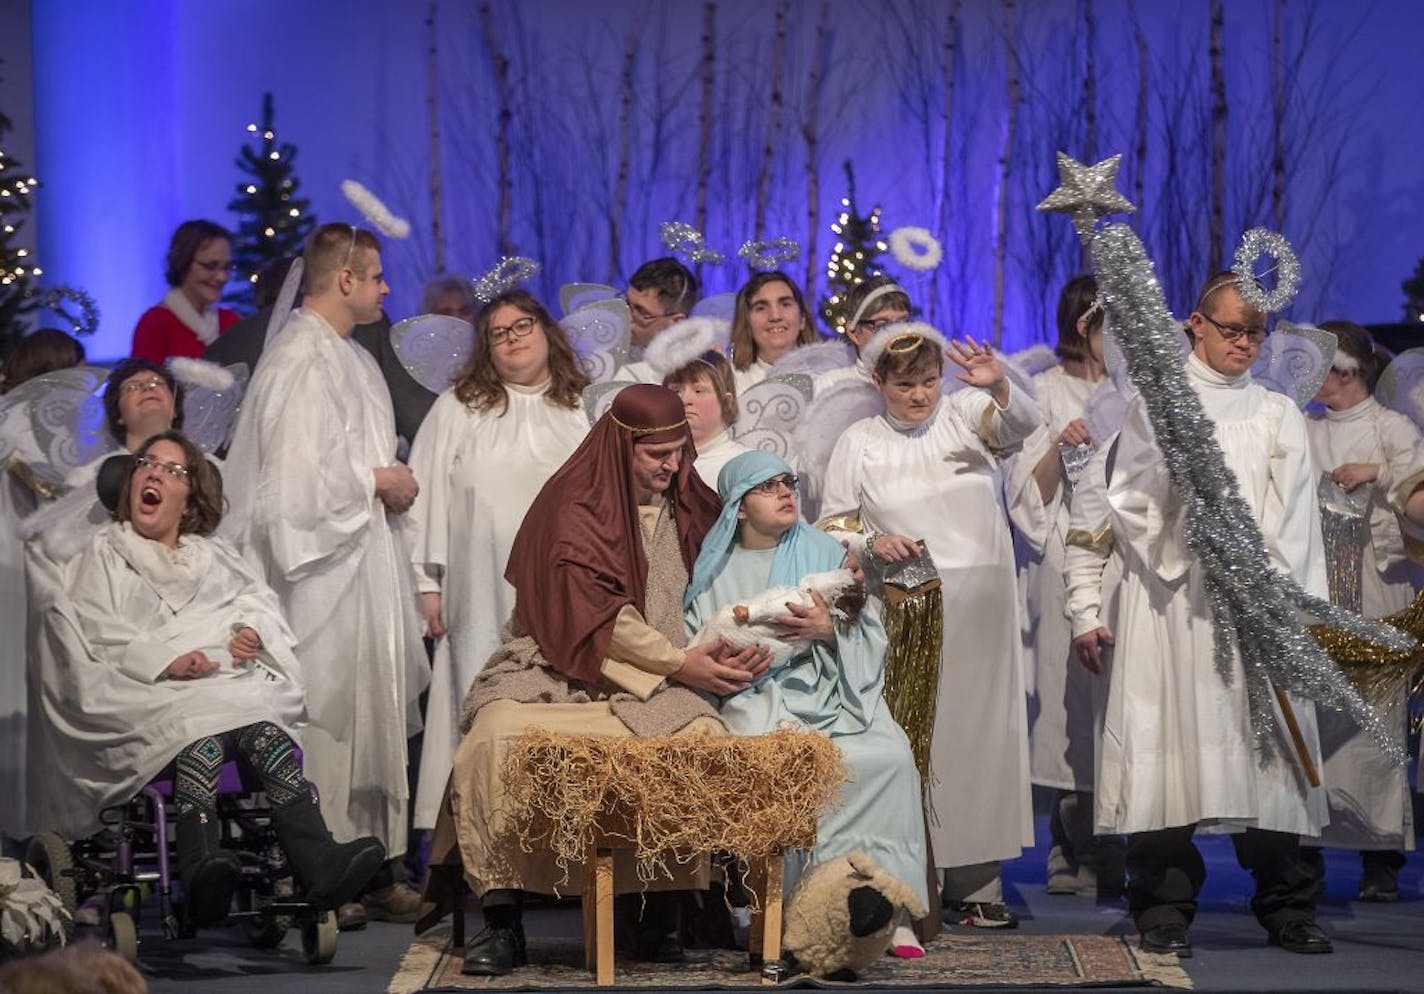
x=754, y=622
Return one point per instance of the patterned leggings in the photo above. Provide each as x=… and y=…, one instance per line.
x=268, y=749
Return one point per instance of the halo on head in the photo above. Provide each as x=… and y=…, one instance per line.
x=1254, y=244
x=871, y=298
x=1343, y=362
x=903, y=336
x=508, y=273
x=685, y=342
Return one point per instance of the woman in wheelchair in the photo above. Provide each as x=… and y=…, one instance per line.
x=162, y=648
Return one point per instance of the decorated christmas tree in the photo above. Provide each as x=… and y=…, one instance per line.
x=1414, y=296
x=859, y=245
x=273, y=221
x=18, y=268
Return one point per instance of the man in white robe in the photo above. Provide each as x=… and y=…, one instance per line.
x=316, y=498
x=1177, y=751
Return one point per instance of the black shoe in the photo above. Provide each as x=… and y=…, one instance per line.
x=1168, y=938
x=1302, y=936
x=497, y=950
x=331, y=873
x=1379, y=884
x=210, y=873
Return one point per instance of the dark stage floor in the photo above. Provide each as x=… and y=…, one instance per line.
x=1378, y=947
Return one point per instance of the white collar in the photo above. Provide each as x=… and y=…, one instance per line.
x=1211, y=377
x=204, y=325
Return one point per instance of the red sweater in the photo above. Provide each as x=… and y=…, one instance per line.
x=160, y=335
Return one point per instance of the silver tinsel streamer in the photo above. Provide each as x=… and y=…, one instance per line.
x=687, y=241
x=770, y=255
x=84, y=320
x=1253, y=604
x=1254, y=244
x=508, y=273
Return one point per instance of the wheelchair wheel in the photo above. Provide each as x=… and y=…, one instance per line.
x=266, y=932
x=123, y=935
x=319, y=939
x=52, y=860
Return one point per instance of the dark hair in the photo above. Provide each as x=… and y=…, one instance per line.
x=122, y=372
x=205, y=488
x=744, y=350
x=447, y=286
x=270, y=278
x=1358, y=344
x=856, y=295
x=42, y=351
x=188, y=240
x=714, y=367
x=1074, y=300
x=478, y=385
x=925, y=356
x=676, y=286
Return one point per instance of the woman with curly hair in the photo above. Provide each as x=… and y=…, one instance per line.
x=513, y=415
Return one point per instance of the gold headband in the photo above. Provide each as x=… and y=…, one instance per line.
x=647, y=431
x=901, y=344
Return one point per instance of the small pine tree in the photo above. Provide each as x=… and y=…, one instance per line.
x=17, y=265
x=1414, y=296
x=273, y=221
x=859, y=246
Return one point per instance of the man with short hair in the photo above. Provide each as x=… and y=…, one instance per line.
x=316, y=497
x=596, y=646
x=1177, y=751
x=660, y=293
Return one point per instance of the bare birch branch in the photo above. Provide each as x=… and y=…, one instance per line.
x=1001, y=221
x=1218, y=137
x=704, y=120
x=501, y=137
x=432, y=110
x=773, y=123
x=810, y=132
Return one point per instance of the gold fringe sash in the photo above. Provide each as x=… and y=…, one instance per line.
x=914, y=622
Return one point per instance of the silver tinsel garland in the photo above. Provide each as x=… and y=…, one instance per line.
x=1254, y=605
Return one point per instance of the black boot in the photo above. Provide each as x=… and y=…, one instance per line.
x=499, y=947
x=210, y=873
x=330, y=873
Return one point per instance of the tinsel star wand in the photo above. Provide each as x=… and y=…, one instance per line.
x=1254, y=605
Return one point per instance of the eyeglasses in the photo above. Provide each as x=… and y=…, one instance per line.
x=771, y=487
x=216, y=267
x=519, y=329
x=138, y=386
x=175, y=470
x=642, y=315
x=1232, y=332
x=875, y=324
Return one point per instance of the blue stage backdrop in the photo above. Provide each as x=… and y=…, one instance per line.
x=950, y=112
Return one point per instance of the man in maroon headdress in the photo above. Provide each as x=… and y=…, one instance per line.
x=597, y=646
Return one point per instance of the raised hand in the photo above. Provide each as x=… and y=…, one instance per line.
x=981, y=368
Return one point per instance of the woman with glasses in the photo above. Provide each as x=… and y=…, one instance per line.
x=513, y=416
x=928, y=469
x=770, y=319
x=189, y=319
x=159, y=646
x=832, y=684
x=869, y=307
x=1372, y=509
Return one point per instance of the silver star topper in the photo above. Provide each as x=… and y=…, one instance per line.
x=1087, y=193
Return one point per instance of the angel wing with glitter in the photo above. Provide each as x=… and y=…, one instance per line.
x=1401, y=385
x=598, y=398
x=768, y=412
x=210, y=411
x=576, y=296
x=814, y=360
x=598, y=333
x=831, y=412
x=433, y=348
x=1294, y=360
x=65, y=412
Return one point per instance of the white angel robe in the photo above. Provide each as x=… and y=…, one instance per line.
x=315, y=422
x=104, y=718
x=1177, y=747
x=1061, y=734
x=941, y=482
x=1370, y=805
x=716, y=454
x=478, y=474
x=745, y=379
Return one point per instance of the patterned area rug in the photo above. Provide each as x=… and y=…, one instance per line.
x=952, y=960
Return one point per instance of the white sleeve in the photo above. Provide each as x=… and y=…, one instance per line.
x=428, y=519
x=842, y=498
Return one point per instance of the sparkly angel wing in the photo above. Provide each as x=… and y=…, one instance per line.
x=1294, y=361
x=1401, y=385
x=210, y=413
x=598, y=398
x=770, y=410
x=813, y=360
x=720, y=306
x=814, y=438
x=65, y=410
x=598, y=332
x=433, y=348
x=577, y=296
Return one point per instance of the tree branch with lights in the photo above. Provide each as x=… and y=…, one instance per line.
x=859, y=245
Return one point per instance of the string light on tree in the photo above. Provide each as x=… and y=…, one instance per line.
x=859, y=246
x=273, y=221
x=17, y=270
x=1414, y=296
